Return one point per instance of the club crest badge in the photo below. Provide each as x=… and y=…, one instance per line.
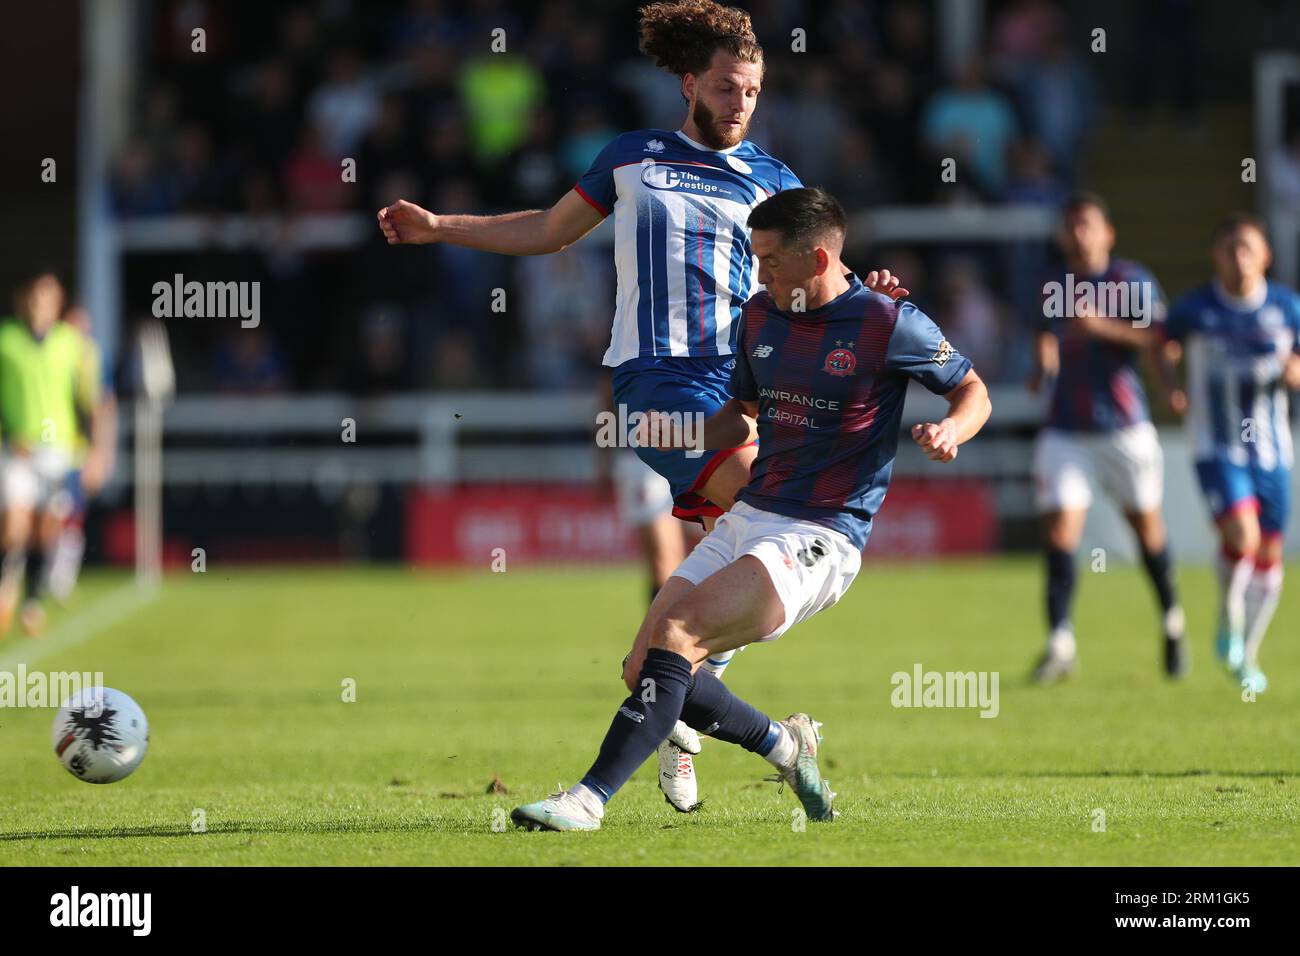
x=840, y=362
x=940, y=358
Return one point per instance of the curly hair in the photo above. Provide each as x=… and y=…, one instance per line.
x=683, y=35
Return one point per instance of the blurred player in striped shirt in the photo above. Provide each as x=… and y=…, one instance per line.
x=1240, y=335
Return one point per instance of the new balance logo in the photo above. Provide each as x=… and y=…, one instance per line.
x=655, y=146
x=632, y=714
x=762, y=351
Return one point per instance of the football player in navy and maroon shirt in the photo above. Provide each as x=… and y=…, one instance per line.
x=1100, y=315
x=822, y=366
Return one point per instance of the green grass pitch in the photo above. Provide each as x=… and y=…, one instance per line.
x=463, y=678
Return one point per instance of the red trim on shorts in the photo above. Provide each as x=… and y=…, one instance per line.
x=692, y=506
x=717, y=459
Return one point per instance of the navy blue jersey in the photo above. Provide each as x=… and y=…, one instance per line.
x=1098, y=387
x=830, y=385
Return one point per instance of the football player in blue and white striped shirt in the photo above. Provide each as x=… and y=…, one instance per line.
x=681, y=201
x=1240, y=335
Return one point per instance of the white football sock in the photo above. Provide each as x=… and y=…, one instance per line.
x=785, y=750
x=1060, y=643
x=1262, y=597
x=1234, y=577
x=715, y=664
x=1175, y=622
x=588, y=799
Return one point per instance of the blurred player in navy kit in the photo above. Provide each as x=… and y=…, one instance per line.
x=1099, y=430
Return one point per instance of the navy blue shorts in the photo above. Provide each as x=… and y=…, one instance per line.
x=1228, y=486
x=686, y=385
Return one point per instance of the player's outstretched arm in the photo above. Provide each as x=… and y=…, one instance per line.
x=968, y=410
x=533, y=232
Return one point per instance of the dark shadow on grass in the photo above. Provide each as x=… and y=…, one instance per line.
x=1083, y=774
x=236, y=826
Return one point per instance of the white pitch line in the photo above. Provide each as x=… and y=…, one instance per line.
x=103, y=614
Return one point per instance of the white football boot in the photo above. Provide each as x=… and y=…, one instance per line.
x=1060, y=659
x=565, y=810
x=677, y=769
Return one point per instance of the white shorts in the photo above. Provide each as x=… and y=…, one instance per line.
x=1126, y=462
x=38, y=481
x=811, y=566
x=643, y=495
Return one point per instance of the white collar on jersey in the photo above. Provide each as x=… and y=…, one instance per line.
x=709, y=149
x=1248, y=303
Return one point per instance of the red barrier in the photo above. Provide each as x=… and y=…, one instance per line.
x=531, y=524
x=547, y=523
x=924, y=519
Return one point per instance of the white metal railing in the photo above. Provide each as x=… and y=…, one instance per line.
x=449, y=437
x=329, y=231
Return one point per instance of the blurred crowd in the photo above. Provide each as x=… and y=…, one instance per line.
x=410, y=90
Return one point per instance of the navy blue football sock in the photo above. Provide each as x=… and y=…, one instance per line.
x=711, y=708
x=1060, y=587
x=1160, y=569
x=641, y=725
x=35, y=572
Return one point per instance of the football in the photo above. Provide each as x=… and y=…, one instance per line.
x=100, y=735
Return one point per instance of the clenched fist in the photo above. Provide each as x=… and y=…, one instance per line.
x=405, y=222
x=939, y=442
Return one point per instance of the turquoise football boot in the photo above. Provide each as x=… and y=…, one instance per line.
x=560, y=811
x=803, y=775
x=1230, y=649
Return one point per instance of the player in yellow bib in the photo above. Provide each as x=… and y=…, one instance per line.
x=45, y=396
x=93, y=460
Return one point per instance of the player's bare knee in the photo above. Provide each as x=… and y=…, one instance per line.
x=675, y=634
x=1241, y=535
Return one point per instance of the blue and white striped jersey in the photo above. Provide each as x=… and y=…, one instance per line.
x=681, y=240
x=1236, y=350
